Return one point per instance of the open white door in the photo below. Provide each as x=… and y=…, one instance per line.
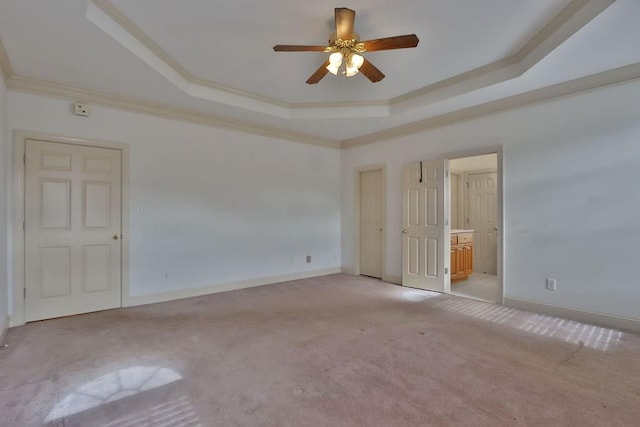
x=425, y=238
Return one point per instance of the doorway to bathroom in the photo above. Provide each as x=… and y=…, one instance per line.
x=473, y=219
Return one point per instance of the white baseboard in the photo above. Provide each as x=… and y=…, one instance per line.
x=397, y=280
x=4, y=327
x=348, y=271
x=584, y=316
x=224, y=287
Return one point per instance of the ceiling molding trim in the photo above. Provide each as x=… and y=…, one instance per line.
x=578, y=13
x=592, y=82
x=362, y=110
x=569, y=21
x=41, y=87
x=571, y=87
x=109, y=19
x=6, y=71
x=139, y=35
x=564, y=25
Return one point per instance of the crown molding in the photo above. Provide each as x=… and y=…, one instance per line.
x=42, y=87
x=6, y=70
x=563, y=25
x=583, y=84
x=114, y=23
x=569, y=21
x=592, y=82
x=566, y=23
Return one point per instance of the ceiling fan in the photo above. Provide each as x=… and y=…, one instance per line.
x=345, y=47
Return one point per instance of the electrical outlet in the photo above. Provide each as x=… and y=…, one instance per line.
x=551, y=284
x=81, y=109
x=308, y=259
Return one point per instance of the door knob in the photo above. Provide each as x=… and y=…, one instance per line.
x=404, y=231
x=116, y=236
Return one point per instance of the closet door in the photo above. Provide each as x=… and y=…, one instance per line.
x=72, y=229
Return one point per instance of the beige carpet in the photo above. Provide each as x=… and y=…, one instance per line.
x=330, y=351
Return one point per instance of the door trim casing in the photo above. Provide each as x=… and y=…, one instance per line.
x=382, y=167
x=498, y=150
x=17, y=239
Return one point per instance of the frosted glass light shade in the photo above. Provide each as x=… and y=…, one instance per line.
x=335, y=58
x=335, y=61
x=350, y=71
x=333, y=69
x=357, y=60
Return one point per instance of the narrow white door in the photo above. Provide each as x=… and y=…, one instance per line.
x=371, y=226
x=425, y=243
x=72, y=229
x=482, y=205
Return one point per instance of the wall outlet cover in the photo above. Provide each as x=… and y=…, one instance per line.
x=551, y=284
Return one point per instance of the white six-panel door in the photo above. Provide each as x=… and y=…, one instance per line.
x=371, y=227
x=482, y=207
x=425, y=244
x=72, y=229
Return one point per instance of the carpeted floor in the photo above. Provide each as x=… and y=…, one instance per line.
x=330, y=351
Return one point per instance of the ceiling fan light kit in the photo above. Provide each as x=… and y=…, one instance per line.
x=353, y=63
x=345, y=48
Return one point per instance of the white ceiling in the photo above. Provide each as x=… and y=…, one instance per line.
x=229, y=44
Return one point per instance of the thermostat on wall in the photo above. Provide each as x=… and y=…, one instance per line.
x=81, y=109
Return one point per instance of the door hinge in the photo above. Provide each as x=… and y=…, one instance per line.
x=446, y=174
x=446, y=222
x=24, y=158
x=467, y=184
x=23, y=226
x=446, y=271
x=25, y=292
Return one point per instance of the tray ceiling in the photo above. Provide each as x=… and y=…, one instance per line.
x=215, y=59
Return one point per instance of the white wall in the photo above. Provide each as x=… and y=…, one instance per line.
x=4, y=305
x=209, y=206
x=572, y=201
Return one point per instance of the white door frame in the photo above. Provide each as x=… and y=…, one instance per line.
x=356, y=219
x=500, y=211
x=18, y=238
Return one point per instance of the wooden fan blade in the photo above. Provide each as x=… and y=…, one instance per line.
x=319, y=74
x=298, y=48
x=397, y=42
x=345, y=20
x=372, y=73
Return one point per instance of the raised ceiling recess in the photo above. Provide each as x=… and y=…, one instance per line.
x=153, y=33
x=213, y=63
